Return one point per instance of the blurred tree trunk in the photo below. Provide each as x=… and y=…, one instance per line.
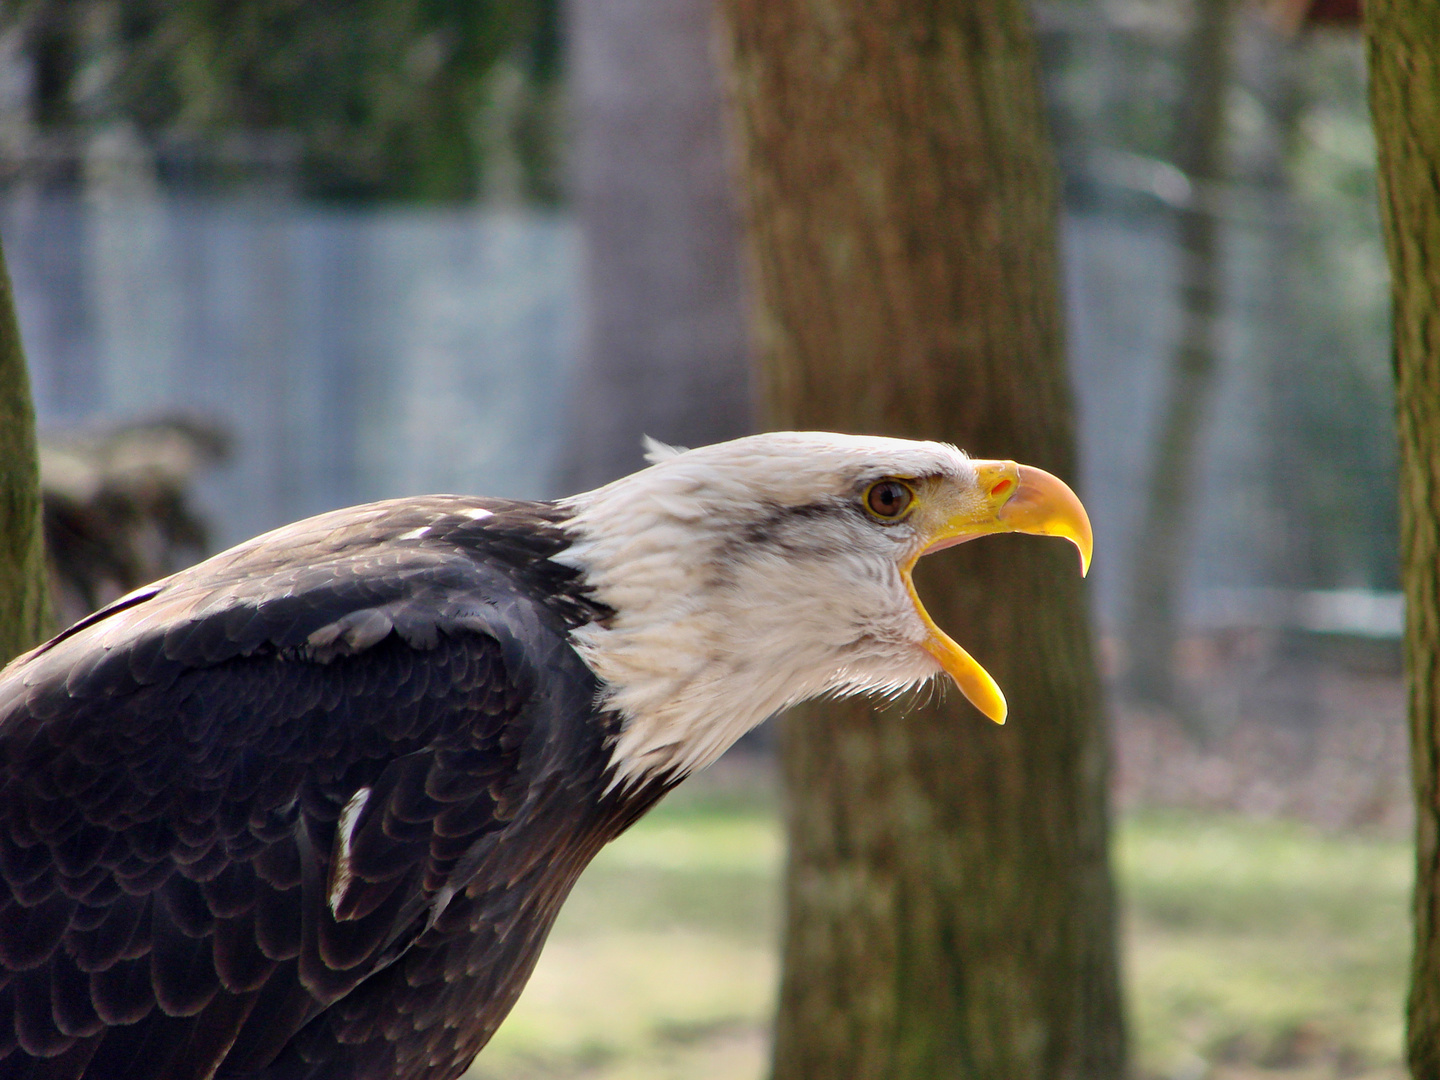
x=24, y=605
x=1162, y=550
x=950, y=911
x=663, y=350
x=1405, y=101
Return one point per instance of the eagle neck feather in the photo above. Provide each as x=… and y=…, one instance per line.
x=727, y=608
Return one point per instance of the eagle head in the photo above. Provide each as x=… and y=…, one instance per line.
x=753, y=574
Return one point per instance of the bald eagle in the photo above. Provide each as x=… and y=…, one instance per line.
x=309, y=808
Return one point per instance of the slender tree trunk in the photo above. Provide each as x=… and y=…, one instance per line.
x=663, y=349
x=1161, y=552
x=24, y=602
x=1405, y=102
x=949, y=906
x=24, y=580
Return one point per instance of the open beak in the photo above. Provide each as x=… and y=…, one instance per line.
x=1008, y=498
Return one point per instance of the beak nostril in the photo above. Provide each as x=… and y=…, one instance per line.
x=1002, y=488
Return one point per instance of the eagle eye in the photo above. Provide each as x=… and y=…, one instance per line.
x=888, y=499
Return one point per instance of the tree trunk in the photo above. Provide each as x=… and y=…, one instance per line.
x=663, y=349
x=950, y=911
x=1161, y=552
x=24, y=604
x=1405, y=102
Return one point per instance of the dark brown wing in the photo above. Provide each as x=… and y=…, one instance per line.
x=230, y=803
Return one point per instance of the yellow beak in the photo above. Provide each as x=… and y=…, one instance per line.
x=1008, y=498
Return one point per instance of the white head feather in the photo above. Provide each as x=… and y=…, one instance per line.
x=745, y=577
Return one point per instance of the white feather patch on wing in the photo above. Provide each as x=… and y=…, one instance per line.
x=657, y=451
x=341, y=874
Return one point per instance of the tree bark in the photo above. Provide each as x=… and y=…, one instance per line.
x=950, y=911
x=1162, y=550
x=24, y=602
x=663, y=349
x=1405, y=103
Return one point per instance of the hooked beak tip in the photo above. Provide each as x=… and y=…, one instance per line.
x=1044, y=505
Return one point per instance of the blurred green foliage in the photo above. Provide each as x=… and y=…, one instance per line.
x=1263, y=948
x=380, y=99
x=1306, y=308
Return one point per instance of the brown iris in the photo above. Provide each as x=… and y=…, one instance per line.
x=888, y=499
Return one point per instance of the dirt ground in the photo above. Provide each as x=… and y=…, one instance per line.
x=1307, y=729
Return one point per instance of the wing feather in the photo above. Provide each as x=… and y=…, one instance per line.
x=35, y=1028
x=28, y=935
x=71, y=1006
x=100, y=936
x=122, y=992
x=173, y=771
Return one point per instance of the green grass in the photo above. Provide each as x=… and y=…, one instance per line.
x=1264, y=948
x=1252, y=950
x=662, y=965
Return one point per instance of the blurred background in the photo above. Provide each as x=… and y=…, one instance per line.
x=272, y=258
